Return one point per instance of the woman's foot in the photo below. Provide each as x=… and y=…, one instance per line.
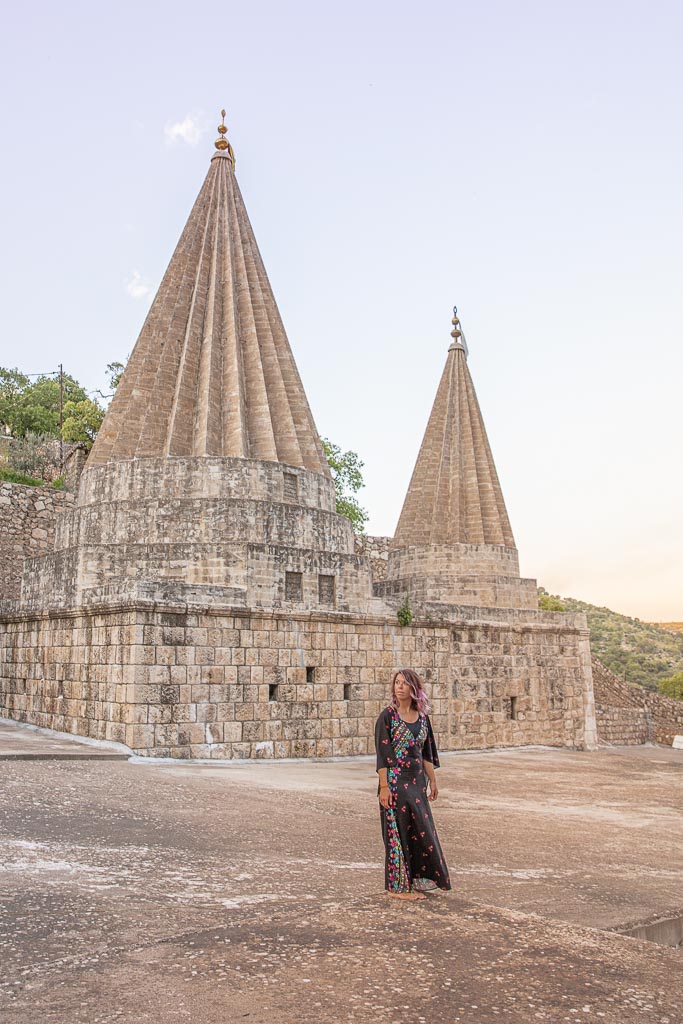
x=409, y=897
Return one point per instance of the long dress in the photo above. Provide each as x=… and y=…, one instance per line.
x=414, y=859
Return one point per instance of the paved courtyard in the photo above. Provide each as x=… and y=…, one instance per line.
x=167, y=893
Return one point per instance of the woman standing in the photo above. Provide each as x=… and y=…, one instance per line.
x=406, y=759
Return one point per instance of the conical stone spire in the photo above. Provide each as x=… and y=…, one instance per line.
x=207, y=483
x=453, y=543
x=454, y=495
x=212, y=373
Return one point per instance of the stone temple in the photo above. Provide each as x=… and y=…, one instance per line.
x=203, y=598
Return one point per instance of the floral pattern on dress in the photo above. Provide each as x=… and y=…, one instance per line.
x=414, y=860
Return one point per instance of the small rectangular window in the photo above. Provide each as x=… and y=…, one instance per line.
x=272, y=691
x=326, y=589
x=513, y=708
x=291, y=487
x=293, y=586
x=310, y=674
x=347, y=691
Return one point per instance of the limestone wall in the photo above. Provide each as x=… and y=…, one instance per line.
x=175, y=681
x=472, y=574
x=238, y=525
x=74, y=463
x=376, y=550
x=630, y=715
x=27, y=528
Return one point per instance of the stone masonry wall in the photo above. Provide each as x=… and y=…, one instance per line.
x=27, y=528
x=376, y=549
x=629, y=715
x=173, y=681
x=468, y=574
x=238, y=524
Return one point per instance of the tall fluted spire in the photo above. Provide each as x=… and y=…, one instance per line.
x=454, y=495
x=212, y=372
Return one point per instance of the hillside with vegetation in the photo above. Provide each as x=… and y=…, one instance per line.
x=640, y=653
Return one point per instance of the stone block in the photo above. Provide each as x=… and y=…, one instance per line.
x=232, y=732
x=140, y=737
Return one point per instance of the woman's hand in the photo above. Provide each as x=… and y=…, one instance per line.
x=433, y=791
x=386, y=798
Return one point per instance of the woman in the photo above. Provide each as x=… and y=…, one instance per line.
x=406, y=759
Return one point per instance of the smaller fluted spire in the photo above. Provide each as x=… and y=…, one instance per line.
x=454, y=495
x=221, y=142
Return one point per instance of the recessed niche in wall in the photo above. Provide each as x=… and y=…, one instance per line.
x=293, y=586
x=326, y=589
x=291, y=487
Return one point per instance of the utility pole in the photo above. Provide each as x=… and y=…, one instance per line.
x=61, y=414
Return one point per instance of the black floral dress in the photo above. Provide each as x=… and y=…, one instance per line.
x=413, y=854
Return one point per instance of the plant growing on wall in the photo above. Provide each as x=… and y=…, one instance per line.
x=404, y=614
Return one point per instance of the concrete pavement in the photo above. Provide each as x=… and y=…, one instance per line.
x=162, y=893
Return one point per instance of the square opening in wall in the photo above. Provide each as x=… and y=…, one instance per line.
x=310, y=674
x=272, y=691
x=291, y=487
x=326, y=589
x=294, y=587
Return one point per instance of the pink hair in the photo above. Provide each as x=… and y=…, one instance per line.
x=417, y=692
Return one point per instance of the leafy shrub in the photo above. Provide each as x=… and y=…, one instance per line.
x=673, y=686
x=35, y=455
x=404, y=614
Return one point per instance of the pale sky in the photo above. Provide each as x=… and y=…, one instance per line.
x=523, y=160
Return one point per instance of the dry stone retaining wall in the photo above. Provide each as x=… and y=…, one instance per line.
x=27, y=528
x=628, y=715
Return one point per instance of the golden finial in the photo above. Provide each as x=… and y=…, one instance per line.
x=221, y=142
x=456, y=333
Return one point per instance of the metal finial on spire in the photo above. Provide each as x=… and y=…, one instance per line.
x=457, y=334
x=221, y=142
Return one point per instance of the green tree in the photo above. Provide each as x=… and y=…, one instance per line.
x=114, y=375
x=13, y=383
x=548, y=602
x=115, y=371
x=672, y=687
x=33, y=408
x=348, y=479
x=82, y=420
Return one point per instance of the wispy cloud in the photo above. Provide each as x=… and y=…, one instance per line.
x=136, y=287
x=190, y=130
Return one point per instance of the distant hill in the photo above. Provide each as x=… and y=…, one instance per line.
x=638, y=652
